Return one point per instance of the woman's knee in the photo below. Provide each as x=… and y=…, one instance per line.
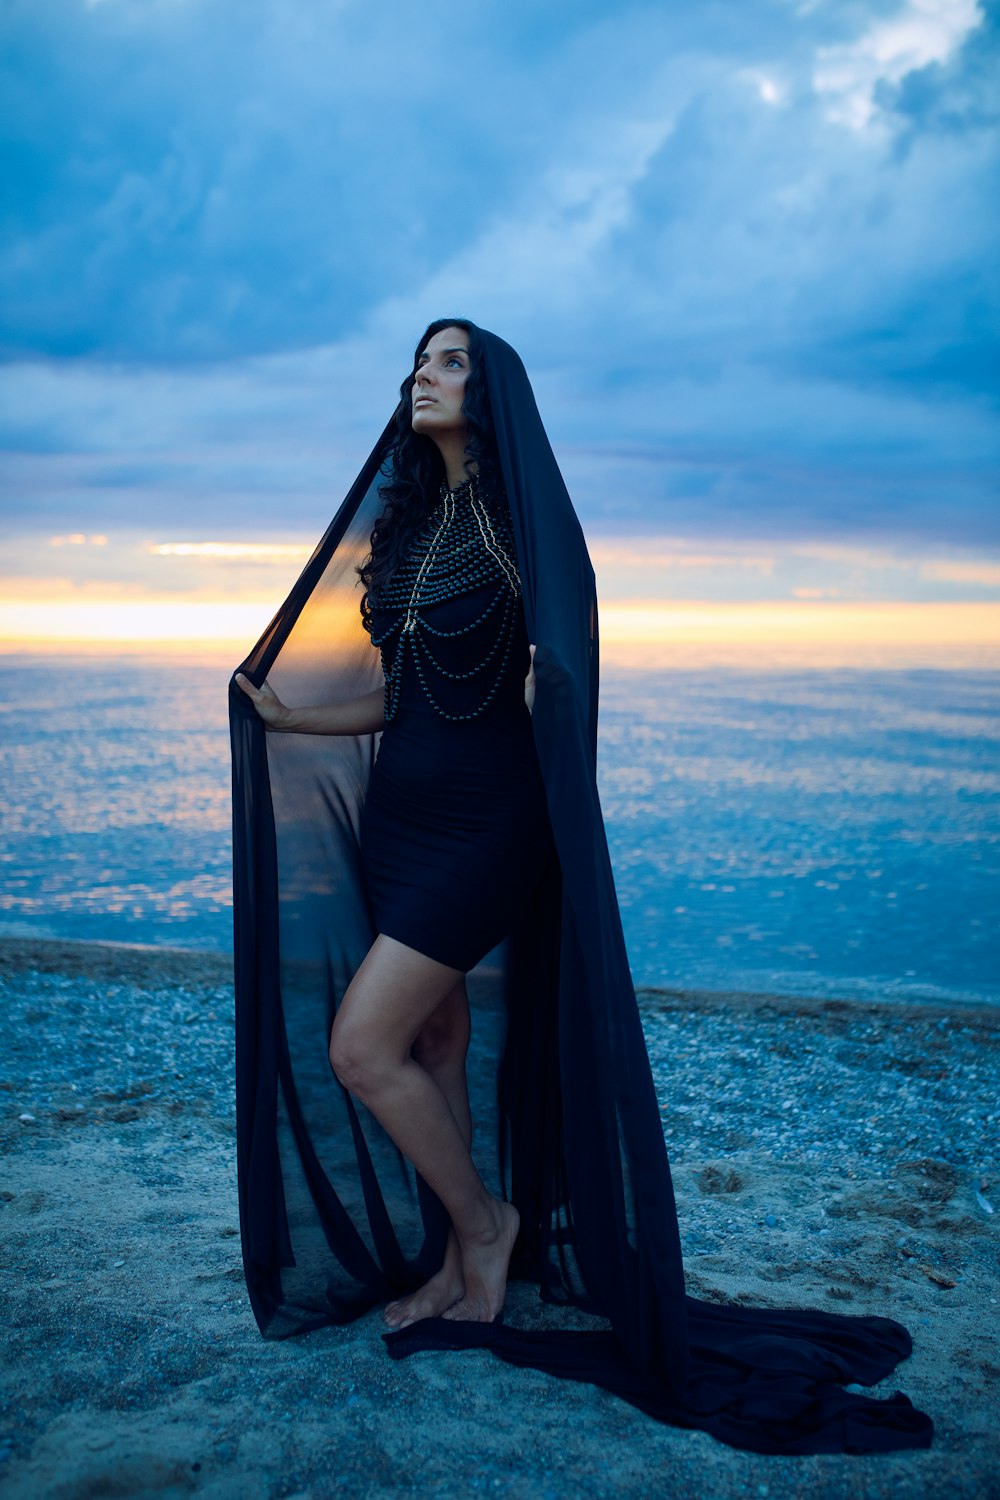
x=357, y=1060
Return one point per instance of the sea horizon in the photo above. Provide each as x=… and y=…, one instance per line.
x=804, y=830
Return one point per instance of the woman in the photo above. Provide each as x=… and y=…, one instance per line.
x=442, y=579
x=364, y=890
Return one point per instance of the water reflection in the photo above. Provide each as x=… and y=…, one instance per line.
x=115, y=799
x=824, y=832
x=830, y=832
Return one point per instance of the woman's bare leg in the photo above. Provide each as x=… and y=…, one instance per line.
x=440, y=1048
x=392, y=996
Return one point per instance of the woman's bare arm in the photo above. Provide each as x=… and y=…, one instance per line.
x=365, y=715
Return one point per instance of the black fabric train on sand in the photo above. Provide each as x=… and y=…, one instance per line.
x=333, y=1221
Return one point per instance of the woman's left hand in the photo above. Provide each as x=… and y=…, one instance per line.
x=529, y=682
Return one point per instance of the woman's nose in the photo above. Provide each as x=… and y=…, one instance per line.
x=423, y=375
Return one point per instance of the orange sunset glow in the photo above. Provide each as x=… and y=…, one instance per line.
x=828, y=631
x=661, y=599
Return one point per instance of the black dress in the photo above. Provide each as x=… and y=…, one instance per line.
x=454, y=827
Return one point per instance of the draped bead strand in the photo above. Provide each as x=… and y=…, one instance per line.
x=464, y=546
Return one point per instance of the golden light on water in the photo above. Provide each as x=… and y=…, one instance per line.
x=631, y=631
x=800, y=632
x=123, y=623
x=780, y=622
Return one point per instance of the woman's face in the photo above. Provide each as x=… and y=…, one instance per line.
x=439, y=385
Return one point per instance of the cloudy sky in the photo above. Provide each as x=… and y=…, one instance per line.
x=746, y=248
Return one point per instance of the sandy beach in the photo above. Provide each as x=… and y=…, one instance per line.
x=833, y=1154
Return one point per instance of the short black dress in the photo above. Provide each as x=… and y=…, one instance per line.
x=454, y=830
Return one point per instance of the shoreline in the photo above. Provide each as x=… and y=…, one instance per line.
x=148, y=961
x=824, y=1153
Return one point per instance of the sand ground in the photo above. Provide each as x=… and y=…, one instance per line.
x=840, y=1156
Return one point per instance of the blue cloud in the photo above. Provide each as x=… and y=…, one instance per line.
x=748, y=252
x=209, y=179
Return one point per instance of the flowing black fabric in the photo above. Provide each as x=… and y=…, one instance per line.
x=333, y=1220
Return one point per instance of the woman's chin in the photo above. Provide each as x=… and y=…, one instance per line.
x=423, y=421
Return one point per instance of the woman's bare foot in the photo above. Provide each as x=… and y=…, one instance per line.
x=484, y=1268
x=435, y=1296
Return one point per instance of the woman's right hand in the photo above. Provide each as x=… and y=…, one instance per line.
x=266, y=701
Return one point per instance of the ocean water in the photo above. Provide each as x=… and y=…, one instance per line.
x=827, y=832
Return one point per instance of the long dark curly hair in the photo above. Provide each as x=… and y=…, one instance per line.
x=415, y=468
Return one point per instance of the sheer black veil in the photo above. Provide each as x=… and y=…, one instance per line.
x=333, y=1220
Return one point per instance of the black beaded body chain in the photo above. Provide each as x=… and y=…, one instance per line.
x=463, y=546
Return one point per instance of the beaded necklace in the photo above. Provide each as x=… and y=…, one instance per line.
x=461, y=548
